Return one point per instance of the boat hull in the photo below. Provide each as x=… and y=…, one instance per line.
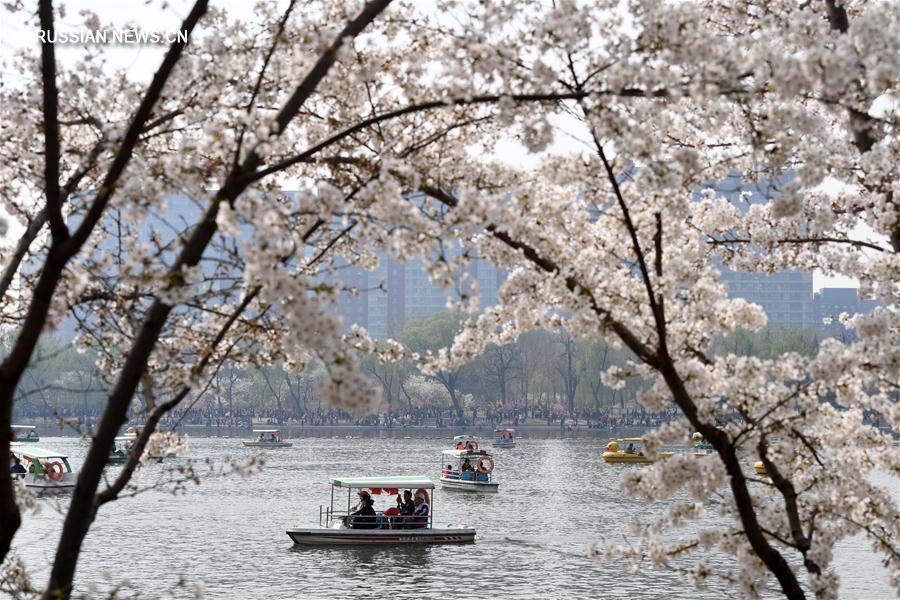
x=626, y=458
x=316, y=535
x=504, y=444
x=470, y=486
x=43, y=484
x=268, y=444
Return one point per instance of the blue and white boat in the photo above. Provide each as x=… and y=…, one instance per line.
x=504, y=437
x=467, y=467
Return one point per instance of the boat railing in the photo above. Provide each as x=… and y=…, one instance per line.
x=382, y=521
x=476, y=475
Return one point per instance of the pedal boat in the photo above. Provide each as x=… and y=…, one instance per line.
x=268, y=438
x=504, y=438
x=48, y=470
x=333, y=530
x=476, y=476
x=25, y=434
x=633, y=452
x=121, y=449
x=760, y=468
x=701, y=446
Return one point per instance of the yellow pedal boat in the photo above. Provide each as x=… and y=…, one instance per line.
x=760, y=468
x=629, y=450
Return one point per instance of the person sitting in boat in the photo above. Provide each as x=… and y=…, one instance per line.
x=364, y=517
x=470, y=446
x=460, y=446
x=466, y=466
x=16, y=466
x=404, y=510
x=421, y=510
x=630, y=449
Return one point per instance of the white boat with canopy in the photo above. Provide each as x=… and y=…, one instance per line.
x=339, y=525
x=45, y=470
x=122, y=446
x=25, y=434
x=467, y=467
x=268, y=438
x=504, y=437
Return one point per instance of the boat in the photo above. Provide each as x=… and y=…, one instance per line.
x=268, y=438
x=46, y=470
x=701, y=446
x=129, y=438
x=468, y=468
x=25, y=434
x=629, y=450
x=122, y=446
x=503, y=438
x=335, y=525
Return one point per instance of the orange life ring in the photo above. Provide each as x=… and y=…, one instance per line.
x=485, y=469
x=55, y=470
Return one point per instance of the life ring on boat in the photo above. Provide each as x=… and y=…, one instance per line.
x=480, y=466
x=55, y=470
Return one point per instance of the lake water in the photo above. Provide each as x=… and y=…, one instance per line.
x=557, y=498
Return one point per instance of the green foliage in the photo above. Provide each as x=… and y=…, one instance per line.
x=771, y=342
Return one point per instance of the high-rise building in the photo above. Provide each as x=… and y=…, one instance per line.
x=786, y=296
x=395, y=293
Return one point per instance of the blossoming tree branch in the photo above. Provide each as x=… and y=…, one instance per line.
x=390, y=123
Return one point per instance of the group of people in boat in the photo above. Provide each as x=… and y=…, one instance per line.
x=470, y=445
x=17, y=468
x=268, y=438
x=411, y=512
x=467, y=471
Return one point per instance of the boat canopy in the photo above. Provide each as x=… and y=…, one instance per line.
x=30, y=452
x=634, y=440
x=464, y=438
x=30, y=427
x=502, y=429
x=266, y=431
x=126, y=438
x=416, y=481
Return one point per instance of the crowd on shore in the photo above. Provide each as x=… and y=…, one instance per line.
x=213, y=416
x=238, y=417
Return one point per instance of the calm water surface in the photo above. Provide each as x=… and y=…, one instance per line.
x=557, y=499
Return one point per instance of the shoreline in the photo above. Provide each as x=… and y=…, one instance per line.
x=292, y=431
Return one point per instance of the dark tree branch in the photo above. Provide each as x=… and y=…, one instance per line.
x=812, y=240
x=58, y=228
x=792, y=510
x=445, y=103
x=82, y=509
